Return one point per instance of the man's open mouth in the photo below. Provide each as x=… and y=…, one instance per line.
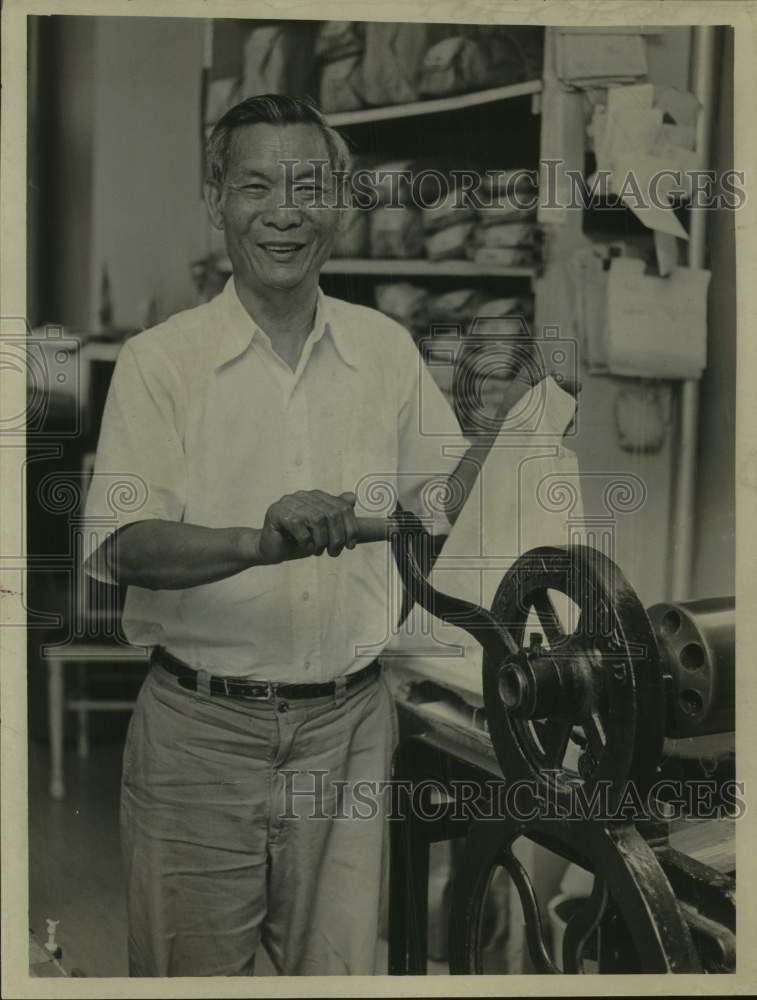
x=282, y=251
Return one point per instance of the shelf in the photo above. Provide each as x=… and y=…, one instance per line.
x=101, y=350
x=424, y=268
x=415, y=268
x=435, y=105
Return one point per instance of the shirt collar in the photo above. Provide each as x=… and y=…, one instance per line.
x=238, y=328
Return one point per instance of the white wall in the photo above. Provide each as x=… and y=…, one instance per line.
x=148, y=219
x=65, y=233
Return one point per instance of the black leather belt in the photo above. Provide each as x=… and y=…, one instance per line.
x=258, y=690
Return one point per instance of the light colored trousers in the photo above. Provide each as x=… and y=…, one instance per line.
x=221, y=856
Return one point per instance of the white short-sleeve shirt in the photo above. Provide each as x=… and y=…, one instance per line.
x=205, y=424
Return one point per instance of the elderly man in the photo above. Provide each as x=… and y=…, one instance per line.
x=246, y=427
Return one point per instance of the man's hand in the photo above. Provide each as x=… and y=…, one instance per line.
x=308, y=523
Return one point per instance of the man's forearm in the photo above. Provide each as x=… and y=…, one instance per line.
x=167, y=555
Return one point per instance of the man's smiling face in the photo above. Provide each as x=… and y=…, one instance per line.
x=278, y=230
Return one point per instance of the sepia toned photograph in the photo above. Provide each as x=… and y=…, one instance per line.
x=370, y=557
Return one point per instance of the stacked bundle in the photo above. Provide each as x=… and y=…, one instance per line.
x=448, y=227
x=349, y=65
x=429, y=213
x=339, y=49
x=374, y=64
x=443, y=324
x=395, y=224
x=506, y=233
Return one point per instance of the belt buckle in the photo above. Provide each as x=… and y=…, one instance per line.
x=260, y=697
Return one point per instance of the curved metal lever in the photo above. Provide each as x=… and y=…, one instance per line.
x=410, y=545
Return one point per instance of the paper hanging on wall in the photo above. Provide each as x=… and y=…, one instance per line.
x=589, y=59
x=656, y=327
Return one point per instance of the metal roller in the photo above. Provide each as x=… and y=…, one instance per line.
x=697, y=646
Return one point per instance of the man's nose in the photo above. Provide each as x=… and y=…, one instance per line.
x=283, y=217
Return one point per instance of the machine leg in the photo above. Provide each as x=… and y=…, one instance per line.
x=55, y=710
x=408, y=889
x=82, y=734
x=408, y=899
x=82, y=731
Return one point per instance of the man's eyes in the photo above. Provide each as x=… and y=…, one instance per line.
x=306, y=188
x=301, y=190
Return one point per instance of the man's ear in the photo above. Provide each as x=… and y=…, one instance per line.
x=213, y=199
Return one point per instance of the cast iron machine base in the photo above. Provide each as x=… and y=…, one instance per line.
x=577, y=716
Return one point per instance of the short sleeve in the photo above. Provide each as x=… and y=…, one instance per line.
x=431, y=443
x=139, y=472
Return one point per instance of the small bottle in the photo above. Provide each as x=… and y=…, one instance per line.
x=106, y=303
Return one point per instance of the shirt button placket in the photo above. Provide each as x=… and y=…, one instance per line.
x=308, y=641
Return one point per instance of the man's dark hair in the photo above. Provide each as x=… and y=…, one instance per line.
x=271, y=109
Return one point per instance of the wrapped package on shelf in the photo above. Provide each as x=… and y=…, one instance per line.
x=278, y=58
x=404, y=302
x=450, y=243
x=340, y=85
x=499, y=215
x=507, y=196
x=453, y=66
x=339, y=39
x=460, y=305
x=352, y=238
x=396, y=232
x=450, y=210
x=513, y=53
x=507, y=514
x=521, y=305
x=390, y=181
x=392, y=62
x=510, y=245
x=510, y=234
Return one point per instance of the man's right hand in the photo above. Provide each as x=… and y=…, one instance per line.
x=308, y=523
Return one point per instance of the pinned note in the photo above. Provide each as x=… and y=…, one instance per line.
x=646, y=186
x=680, y=105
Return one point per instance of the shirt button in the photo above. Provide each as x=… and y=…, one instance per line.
x=306, y=595
x=298, y=462
x=307, y=664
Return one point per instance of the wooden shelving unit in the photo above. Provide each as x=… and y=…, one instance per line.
x=435, y=105
x=412, y=268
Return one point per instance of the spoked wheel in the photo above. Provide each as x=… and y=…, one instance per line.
x=580, y=704
x=627, y=880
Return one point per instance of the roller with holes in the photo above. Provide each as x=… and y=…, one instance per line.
x=697, y=642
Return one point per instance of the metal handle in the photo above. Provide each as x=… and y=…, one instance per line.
x=373, y=529
x=410, y=545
